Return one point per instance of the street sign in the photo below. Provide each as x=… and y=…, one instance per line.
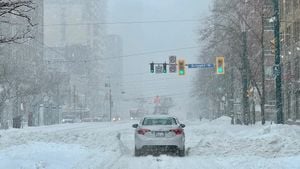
x=172, y=59
x=173, y=68
x=201, y=65
x=172, y=64
x=158, y=69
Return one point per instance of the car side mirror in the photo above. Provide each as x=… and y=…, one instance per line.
x=182, y=125
x=135, y=125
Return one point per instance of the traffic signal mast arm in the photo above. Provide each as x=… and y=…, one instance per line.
x=164, y=66
x=180, y=65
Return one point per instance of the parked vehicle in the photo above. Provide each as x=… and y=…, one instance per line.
x=68, y=119
x=137, y=113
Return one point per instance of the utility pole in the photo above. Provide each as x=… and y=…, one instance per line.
x=263, y=98
x=74, y=99
x=277, y=66
x=246, y=109
x=110, y=98
x=245, y=71
x=231, y=100
x=110, y=102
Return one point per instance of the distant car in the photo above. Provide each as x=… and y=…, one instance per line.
x=137, y=113
x=98, y=118
x=159, y=133
x=67, y=120
x=116, y=118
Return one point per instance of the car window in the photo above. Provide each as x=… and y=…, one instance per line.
x=159, y=121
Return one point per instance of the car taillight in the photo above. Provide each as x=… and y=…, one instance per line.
x=143, y=131
x=177, y=131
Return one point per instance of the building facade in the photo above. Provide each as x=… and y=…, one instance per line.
x=290, y=51
x=114, y=70
x=75, y=36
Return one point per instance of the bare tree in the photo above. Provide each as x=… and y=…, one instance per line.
x=16, y=13
x=223, y=36
x=15, y=27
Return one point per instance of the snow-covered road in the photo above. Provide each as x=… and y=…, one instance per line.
x=211, y=145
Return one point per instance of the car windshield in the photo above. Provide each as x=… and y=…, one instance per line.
x=159, y=121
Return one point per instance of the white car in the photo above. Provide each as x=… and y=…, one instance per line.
x=159, y=133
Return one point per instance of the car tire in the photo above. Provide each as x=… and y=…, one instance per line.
x=181, y=153
x=137, y=152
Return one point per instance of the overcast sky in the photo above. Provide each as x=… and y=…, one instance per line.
x=148, y=37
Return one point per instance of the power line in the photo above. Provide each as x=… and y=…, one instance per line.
x=123, y=22
x=114, y=57
x=125, y=56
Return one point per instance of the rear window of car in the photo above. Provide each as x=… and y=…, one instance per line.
x=159, y=121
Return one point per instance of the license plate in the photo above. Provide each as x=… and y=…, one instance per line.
x=160, y=134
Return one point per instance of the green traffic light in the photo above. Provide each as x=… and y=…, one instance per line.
x=220, y=70
x=181, y=72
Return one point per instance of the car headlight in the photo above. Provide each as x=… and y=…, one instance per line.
x=113, y=119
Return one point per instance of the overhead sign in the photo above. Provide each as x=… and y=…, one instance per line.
x=158, y=69
x=172, y=64
x=172, y=59
x=172, y=68
x=201, y=65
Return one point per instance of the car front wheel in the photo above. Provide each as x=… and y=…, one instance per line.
x=181, y=153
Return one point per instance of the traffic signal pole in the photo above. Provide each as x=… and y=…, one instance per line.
x=245, y=75
x=277, y=66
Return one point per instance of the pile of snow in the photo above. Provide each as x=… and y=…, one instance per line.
x=223, y=120
x=210, y=144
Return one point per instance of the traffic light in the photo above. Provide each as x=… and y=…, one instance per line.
x=181, y=67
x=164, y=67
x=220, y=65
x=152, y=67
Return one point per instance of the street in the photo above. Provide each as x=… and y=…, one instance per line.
x=209, y=144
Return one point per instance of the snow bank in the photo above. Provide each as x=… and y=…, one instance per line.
x=223, y=120
x=210, y=144
x=42, y=155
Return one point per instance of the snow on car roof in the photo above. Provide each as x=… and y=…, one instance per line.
x=159, y=116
